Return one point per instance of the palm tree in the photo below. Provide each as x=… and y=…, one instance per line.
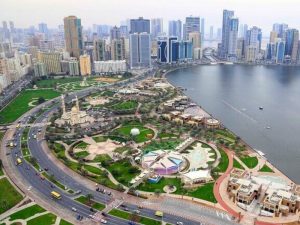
x=89, y=197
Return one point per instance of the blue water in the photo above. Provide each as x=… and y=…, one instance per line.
x=233, y=93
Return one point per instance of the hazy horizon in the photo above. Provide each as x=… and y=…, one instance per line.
x=254, y=13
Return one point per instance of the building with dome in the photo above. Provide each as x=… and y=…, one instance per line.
x=75, y=116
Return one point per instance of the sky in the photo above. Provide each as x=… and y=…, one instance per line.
x=262, y=13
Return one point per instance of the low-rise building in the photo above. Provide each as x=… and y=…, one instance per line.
x=110, y=67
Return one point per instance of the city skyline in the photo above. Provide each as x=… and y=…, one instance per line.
x=96, y=12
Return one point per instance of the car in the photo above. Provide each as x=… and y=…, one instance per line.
x=103, y=221
x=136, y=211
x=92, y=210
x=74, y=209
x=104, y=214
x=179, y=223
x=92, y=216
x=140, y=207
x=109, y=193
x=46, y=169
x=125, y=209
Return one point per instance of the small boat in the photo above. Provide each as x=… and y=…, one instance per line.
x=268, y=127
x=261, y=108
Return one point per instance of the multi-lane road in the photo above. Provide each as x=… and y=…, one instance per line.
x=44, y=187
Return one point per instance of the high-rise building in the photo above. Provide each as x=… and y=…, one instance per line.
x=273, y=36
x=156, y=27
x=253, y=44
x=46, y=45
x=291, y=44
x=185, y=51
x=280, y=48
x=73, y=36
x=99, y=50
x=202, y=29
x=118, y=49
x=85, y=65
x=232, y=38
x=139, y=25
x=167, y=49
x=70, y=67
x=140, y=50
x=195, y=38
x=40, y=69
x=280, y=29
x=240, y=48
x=227, y=16
x=175, y=29
x=191, y=24
x=219, y=34
x=6, y=34
x=124, y=31
x=211, y=33
x=115, y=33
x=51, y=61
x=43, y=28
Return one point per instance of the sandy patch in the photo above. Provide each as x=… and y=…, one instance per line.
x=97, y=101
x=106, y=147
x=106, y=79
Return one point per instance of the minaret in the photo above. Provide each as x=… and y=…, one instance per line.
x=77, y=103
x=63, y=106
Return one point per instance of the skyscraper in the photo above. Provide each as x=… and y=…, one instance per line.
x=73, y=36
x=43, y=28
x=253, y=43
x=167, y=49
x=118, y=49
x=291, y=44
x=232, y=38
x=211, y=32
x=115, y=33
x=156, y=27
x=280, y=29
x=124, y=31
x=227, y=15
x=175, y=29
x=5, y=30
x=191, y=24
x=202, y=29
x=195, y=38
x=139, y=25
x=85, y=65
x=140, y=50
x=273, y=36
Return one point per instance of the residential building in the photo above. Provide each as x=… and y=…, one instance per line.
x=140, y=50
x=118, y=49
x=253, y=44
x=175, y=29
x=85, y=65
x=46, y=45
x=195, y=38
x=43, y=28
x=124, y=31
x=291, y=44
x=280, y=29
x=232, y=38
x=192, y=24
x=167, y=49
x=40, y=69
x=273, y=36
x=211, y=33
x=139, y=25
x=70, y=67
x=99, y=50
x=227, y=16
x=73, y=36
x=110, y=67
x=51, y=61
x=115, y=33
x=202, y=29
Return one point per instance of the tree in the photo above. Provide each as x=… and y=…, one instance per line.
x=89, y=197
x=41, y=100
x=1, y=164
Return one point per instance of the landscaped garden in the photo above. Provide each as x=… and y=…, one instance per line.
x=249, y=161
x=21, y=104
x=170, y=144
x=47, y=219
x=266, y=168
x=127, y=105
x=205, y=192
x=26, y=213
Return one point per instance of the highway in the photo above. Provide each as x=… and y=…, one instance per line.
x=44, y=186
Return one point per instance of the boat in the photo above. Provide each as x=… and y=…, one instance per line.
x=260, y=152
x=268, y=127
x=261, y=108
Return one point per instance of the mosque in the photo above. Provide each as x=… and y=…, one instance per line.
x=75, y=116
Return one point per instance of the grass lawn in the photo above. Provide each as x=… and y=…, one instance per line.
x=101, y=158
x=123, y=171
x=205, y=192
x=47, y=219
x=64, y=222
x=9, y=196
x=92, y=203
x=19, y=105
x=164, y=145
x=166, y=135
x=265, y=168
x=120, y=150
x=49, y=83
x=93, y=169
x=53, y=180
x=222, y=167
x=125, y=105
x=142, y=137
x=130, y=216
x=249, y=161
x=81, y=145
x=161, y=184
x=1, y=171
x=81, y=154
x=27, y=212
x=236, y=164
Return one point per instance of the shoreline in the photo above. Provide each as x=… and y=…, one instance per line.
x=253, y=150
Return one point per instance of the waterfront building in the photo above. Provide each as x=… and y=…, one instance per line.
x=40, y=69
x=185, y=50
x=167, y=49
x=139, y=25
x=273, y=36
x=291, y=44
x=227, y=16
x=156, y=27
x=240, y=51
x=232, y=38
x=175, y=29
x=110, y=67
x=280, y=49
x=118, y=49
x=51, y=61
x=195, y=38
x=280, y=29
x=253, y=44
x=115, y=33
x=73, y=36
x=140, y=50
x=99, y=50
x=202, y=29
x=85, y=65
x=192, y=24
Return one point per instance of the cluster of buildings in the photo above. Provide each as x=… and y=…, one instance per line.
x=243, y=44
x=273, y=199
